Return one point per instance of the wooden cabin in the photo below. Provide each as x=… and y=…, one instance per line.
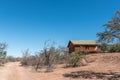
x=85, y=46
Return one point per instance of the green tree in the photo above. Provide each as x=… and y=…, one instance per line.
x=112, y=30
x=3, y=53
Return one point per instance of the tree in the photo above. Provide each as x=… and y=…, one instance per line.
x=112, y=30
x=49, y=52
x=37, y=61
x=61, y=54
x=3, y=53
x=25, y=59
x=104, y=47
x=3, y=46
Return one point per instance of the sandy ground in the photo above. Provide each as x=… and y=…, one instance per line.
x=13, y=71
x=107, y=63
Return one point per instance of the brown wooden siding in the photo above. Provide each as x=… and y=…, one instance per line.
x=83, y=48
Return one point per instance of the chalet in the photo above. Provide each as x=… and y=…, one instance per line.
x=90, y=46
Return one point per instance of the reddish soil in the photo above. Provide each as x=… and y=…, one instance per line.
x=99, y=67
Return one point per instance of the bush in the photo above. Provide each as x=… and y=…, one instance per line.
x=105, y=47
x=25, y=58
x=114, y=48
x=11, y=59
x=75, y=59
x=47, y=58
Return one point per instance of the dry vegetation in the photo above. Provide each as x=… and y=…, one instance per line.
x=105, y=66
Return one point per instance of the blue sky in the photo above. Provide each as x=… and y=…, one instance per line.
x=29, y=23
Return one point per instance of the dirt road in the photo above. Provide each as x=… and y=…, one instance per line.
x=13, y=71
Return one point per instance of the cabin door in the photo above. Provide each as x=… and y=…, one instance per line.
x=86, y=49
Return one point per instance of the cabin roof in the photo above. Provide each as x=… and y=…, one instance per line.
x=84, y=42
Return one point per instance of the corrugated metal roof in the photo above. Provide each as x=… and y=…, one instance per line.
x=84, y=42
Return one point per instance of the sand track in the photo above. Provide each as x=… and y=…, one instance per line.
x=13, y=71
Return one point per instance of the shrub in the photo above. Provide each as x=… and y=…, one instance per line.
x=114, y=48
x=11, y=59
x=75, y=59
x=25, y=58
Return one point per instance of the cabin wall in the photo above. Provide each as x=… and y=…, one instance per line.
x=84, y=48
